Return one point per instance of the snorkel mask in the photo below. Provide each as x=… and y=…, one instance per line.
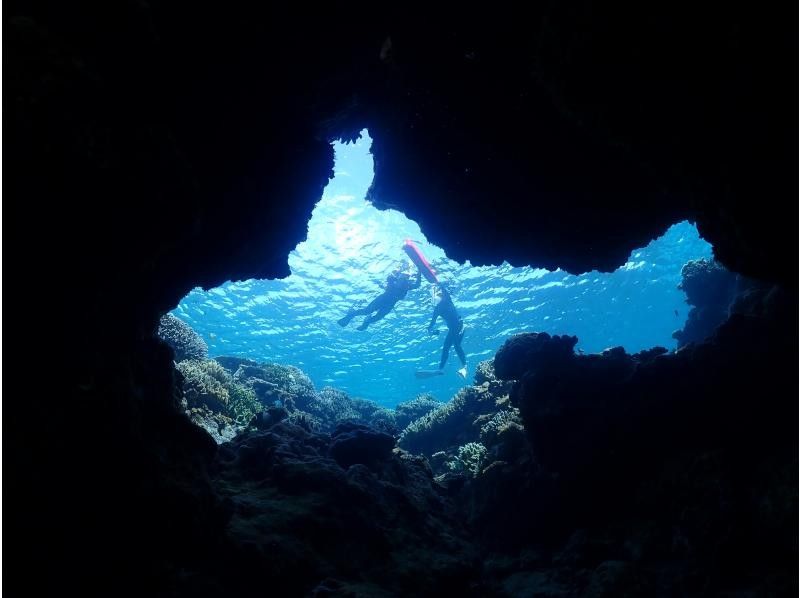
x=402, y=267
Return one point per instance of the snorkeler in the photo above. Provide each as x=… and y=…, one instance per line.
x=443, y=306
x=398, y=283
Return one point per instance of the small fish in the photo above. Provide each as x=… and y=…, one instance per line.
x=211, y=335
x=676, y=313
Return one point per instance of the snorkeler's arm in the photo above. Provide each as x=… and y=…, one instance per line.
x=433, y=319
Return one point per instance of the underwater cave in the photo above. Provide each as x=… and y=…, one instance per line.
x=206, y=412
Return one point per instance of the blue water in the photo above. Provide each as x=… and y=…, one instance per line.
x=350, y=249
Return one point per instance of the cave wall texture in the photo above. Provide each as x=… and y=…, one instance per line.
x=153, y=147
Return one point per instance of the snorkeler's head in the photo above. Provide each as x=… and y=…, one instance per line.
x=402, y=266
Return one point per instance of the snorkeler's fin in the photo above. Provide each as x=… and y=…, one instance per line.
x=351, y=313
x=349, y=316
x=428, y=373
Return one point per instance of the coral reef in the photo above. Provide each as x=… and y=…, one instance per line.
x=229, y=388
x=214, y=399
x=299, y=498
x=504, y=438
x=458, y=421
x=485, y=372
x=221, y=427
x=333, y=406
x=555, y=463
x=376, y=416
x=243, y=404
x=414, y=409
x=353, y=443
x=469, y=458
x=232, y=363
x=185, y=342
x=305, y=420
x=205, y=384
x=645, y=455
x=273, y=383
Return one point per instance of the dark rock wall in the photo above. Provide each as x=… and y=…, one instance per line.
x=710, y=289
x=589, y=124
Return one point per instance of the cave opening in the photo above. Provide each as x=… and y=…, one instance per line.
x=350, y=249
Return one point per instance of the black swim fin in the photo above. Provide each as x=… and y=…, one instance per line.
x=350, y=314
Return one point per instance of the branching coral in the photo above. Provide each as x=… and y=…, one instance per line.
x=384, y=420
x=333, y=406
x=469, y=458
x=305, y=420
x=255, y=386
x=243, y=403
x=205, y=384
x=451, y=424
x=185, y=342
x=484, y=372
x=272, y=382
x=499, y=422
x=409, y=411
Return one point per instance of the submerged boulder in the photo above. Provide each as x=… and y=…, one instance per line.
x=356, y=443
x=523, y=352
x=640, y=460
x=305, y=507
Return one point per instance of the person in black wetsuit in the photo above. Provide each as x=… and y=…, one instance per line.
x=443, y=306
x=398, y=284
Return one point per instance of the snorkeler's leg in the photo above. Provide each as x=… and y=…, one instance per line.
x=448, y=342
x=459, y=349
x=381, y=313
x=460, y=352
x=373, y=305
x=346, y=319
x=348, y=316
x=360, y=311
